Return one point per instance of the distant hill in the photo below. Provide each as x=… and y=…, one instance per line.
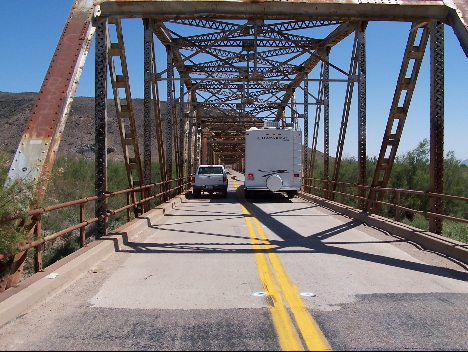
x=78, y=136
x=464, y=162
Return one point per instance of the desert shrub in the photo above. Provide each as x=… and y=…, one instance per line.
x=15, y=196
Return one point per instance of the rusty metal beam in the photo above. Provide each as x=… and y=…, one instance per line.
x=404, y=10
x=458, y=19
x=100, y=119
x=362, y=114
x=35, y=156
x=148, y=121
x=326, y=122
x=437, y=125
x=38, y=147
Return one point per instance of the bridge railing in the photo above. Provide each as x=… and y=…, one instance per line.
x=329, y=192
x=160, y=192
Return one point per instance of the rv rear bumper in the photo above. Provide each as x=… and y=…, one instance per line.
x=282, y=189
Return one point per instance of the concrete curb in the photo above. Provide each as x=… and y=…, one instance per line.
x=17, y=300
x=454, y=249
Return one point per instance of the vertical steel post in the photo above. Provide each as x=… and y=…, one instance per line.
x=326, y=123
x=189, y=138
x=196, y=147
x=362, y=114
x=82, y=229
x=38, y=253
x=305, y=150
x=318, y=112
x=437, y=124
x=147, y=62
x=182, y=160
x=169, y=112
x=293, y=111
x=100, y=116
x=204, y=147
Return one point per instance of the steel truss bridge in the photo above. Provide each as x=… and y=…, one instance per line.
x=231, y=65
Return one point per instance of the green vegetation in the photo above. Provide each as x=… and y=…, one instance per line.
x=72, y=178
x=14, y=201
x=411, y=171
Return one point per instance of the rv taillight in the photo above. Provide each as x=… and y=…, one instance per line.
x=296, y=175
x=250, y=175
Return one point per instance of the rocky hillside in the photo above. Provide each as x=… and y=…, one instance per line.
x=78, y=137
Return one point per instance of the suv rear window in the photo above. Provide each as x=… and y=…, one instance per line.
x=210, y=170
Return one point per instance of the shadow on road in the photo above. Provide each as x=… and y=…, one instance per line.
x=290, y=240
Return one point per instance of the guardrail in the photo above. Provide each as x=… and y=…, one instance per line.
x=327, y=191
x=165, y=189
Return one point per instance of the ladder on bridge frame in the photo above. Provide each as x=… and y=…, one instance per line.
x=414, y=54
x=125, y=114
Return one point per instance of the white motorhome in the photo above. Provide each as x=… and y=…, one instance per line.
x=273, y=159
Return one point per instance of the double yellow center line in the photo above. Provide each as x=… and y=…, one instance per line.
x=281, y=292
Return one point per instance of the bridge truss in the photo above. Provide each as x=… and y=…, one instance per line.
x=231, y=65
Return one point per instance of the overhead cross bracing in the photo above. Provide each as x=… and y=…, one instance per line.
x=248, y=59
x=243, y=67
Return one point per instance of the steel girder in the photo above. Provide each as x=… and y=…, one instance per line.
x=100, y=122
x=437, y=125
x=345, y=115
x=230, y=76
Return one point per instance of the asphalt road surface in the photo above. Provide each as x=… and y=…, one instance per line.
x=266, y=273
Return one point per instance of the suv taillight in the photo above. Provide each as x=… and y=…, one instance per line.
x=193, y=179
x=224, y=178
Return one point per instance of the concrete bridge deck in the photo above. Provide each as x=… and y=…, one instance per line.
x=215, y=273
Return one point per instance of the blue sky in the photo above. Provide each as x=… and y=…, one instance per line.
x=30, y=31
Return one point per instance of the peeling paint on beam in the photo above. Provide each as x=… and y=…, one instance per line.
x=458, y=19
x=36, y=152
x=325, y=9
